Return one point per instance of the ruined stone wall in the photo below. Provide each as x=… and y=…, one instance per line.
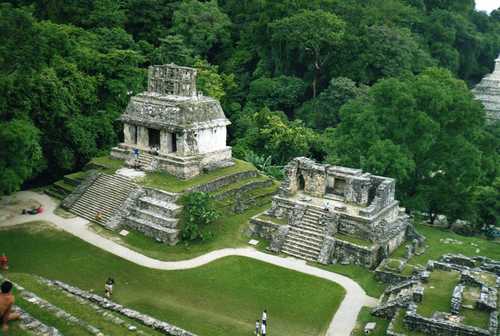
x=262, y=228
x=432, y=326
x=349, y=253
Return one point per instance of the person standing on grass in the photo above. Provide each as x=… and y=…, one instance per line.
x=263, y=329
x=108, y=287
x=6, y=302
x=264, y=317
x=257, y=327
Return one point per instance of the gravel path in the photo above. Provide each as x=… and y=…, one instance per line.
x=341, y=325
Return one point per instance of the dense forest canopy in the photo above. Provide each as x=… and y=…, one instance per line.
x=382, y=85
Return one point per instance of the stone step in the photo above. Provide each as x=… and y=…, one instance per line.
x=305, y=239
x=300, y=255
x=154, y=217
x=105, y=195
x=307, y=231
x=306, y=249
x=302, y=245
x=312, y=227
x=166, y=209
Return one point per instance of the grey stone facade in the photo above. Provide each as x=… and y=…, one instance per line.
x=184, y=131
x=345, y=204
x=488, y=93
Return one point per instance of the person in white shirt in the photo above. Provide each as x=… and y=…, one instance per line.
x=264, y=317
x=257, y=327
x=263, y=329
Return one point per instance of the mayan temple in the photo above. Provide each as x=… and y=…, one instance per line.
x=488, y=93
x=173, y=127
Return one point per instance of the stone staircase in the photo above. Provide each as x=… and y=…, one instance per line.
x=105, y=195
x=305, y=239
x=154, y=214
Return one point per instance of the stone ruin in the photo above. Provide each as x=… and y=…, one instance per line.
x=488, y=93
x=336, y=214
x=478, y=275
x=173, y=127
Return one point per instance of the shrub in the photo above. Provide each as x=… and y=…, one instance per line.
x=197, y=214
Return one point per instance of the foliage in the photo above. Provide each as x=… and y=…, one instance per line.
x=425, y=131
x=197, y=214
x=204, y=26
x=211, y=82
x=264, y=164
x=323, y=111
x=310, y=35
x=20, y=154
x=487, y=202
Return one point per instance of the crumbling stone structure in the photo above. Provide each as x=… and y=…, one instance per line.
x=401, y=301
x=488, y=93
x=173, y=127
x=356, y=211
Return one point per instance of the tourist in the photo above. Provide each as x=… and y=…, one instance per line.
x=6, y=302
x=263, y=329
x=264, y=317
x=108, y=287
x=257, y=327
x=4, y=262
x=98, y=216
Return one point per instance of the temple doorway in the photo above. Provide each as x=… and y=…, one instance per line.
x=154, y=137
x=302, y=182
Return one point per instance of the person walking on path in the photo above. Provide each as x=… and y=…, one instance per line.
x=6, y=302
x=257, y=327
x=264, y=317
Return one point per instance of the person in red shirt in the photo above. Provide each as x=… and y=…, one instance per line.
x=4, y=262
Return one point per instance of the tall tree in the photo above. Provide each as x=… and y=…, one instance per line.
x=309, y=35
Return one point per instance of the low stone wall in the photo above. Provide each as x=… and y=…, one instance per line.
x=164, y=327
x=350, y=253
x=262, y=228
x=389, y=277
x=80, y=189
x=432, y=326
x=222, y=181
x=244, y=188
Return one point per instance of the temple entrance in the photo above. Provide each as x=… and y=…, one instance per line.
x=154, y=137
x=174, y=142
x=302, y=182
x=339, y=187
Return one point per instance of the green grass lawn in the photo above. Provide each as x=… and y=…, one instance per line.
x=165, y=181
x=221, y=298
x=106, y=163
x=363, y=318
x=435, y=248
x=476, y=318
x=438, y=292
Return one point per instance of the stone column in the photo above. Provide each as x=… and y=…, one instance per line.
x=166, y=145
x=127, y=134
x=142, y=137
